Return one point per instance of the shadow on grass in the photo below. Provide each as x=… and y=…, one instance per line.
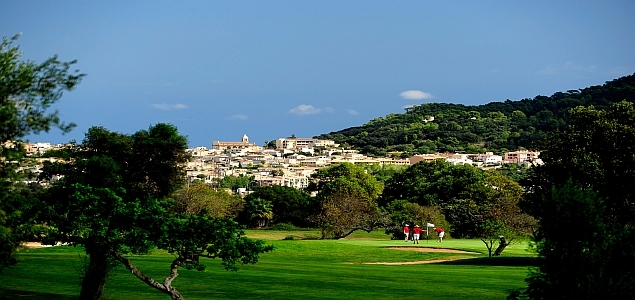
x=20, y=294
x=495, y=261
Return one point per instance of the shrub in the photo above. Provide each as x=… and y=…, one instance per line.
x=284, y=227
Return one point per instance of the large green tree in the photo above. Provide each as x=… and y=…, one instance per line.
x=582, y=198
x=290, y=205
x=27, y=91
x=466, y=195
x=346, y=200
x=112, y=200
x=503, y=221
x=198, y=197
x=459, y=191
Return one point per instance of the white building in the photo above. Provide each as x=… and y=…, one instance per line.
x=459, y=159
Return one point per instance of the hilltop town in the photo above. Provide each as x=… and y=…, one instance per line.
x=292, y=161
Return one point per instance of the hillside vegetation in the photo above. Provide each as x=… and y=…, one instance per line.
x=496, y=126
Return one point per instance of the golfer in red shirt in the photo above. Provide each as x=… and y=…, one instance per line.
x=416, y=233
x=406, y=232
x=441, y=233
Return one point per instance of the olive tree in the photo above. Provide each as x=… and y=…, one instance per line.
x=112, y=201
x=27, y=92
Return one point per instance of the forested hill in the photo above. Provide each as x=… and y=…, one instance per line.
x=496, y=126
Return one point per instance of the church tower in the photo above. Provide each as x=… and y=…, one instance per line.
x=245, y=138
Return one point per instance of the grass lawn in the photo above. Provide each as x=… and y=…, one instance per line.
x=296, y=269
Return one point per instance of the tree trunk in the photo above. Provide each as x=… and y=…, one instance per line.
x=502, y=245
x=94, y=277
x=489, y=244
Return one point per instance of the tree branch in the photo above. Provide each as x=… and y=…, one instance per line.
x=165, y=287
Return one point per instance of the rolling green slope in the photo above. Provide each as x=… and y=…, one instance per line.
x=496, y=126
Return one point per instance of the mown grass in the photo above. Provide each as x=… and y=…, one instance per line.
x=296, y=269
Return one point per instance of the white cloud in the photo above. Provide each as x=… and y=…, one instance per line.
x=238, y=117
x=352, y=112
x=415, y=94
x=305, y=109
x=165, y=106
x=329, y=109
x=409, y=105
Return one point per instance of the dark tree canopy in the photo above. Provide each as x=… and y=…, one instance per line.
x=582, y=198
x=596, y=150
x=290, y=205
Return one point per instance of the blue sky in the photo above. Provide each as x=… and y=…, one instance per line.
x=218, y=70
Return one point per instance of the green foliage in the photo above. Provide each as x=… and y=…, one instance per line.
x=584, y=256
x=199, y=198
x=112, y=201
x=27, y=92
x=514, y=172
x=191, y=237
x=384, y=172
x=259, y=210
x=582, y=198
x=20, y=209
x=65, y=154
x=277, y=172
x=494, y=126
x=345, y=177
x=491, y=231
x=284, y=227
x=236, y=182
x=596, y=150
x=466, y=195
x=403, y=212
x=290, y=205
x=346, y=200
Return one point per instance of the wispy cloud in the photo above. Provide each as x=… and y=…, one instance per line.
x=352, y=112
x=238, y=117
x=329, y=109
x=415, y=94
x=549, y=70
x=571, y=66
x=567, y=67
x=166, y=106
x=305, y=109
